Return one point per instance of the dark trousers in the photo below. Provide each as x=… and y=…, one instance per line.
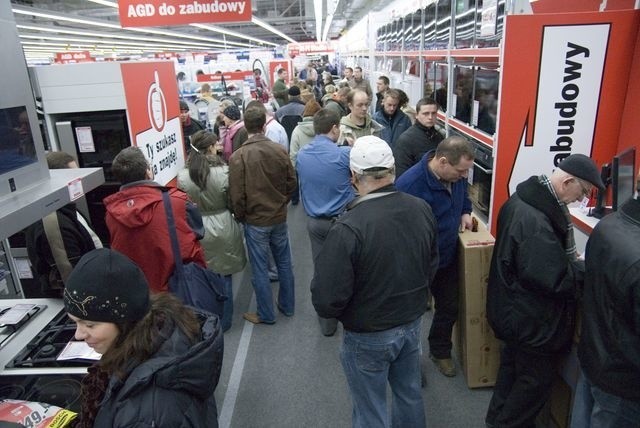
x=318, y=228
x=522, y=388
x=445, y=297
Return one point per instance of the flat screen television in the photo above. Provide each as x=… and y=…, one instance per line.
x=463, y=92
x=443, y=24
x=486, y=82
x=465, y=22
x=19, y=166
x=620, y=176
x=413, y=43
x=429, y=26
x=623, y=177
x=440, y=85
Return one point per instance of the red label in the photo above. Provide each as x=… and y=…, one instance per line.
x=151, y=92
x=73, y=57
x=153, y=13
x=232, y=75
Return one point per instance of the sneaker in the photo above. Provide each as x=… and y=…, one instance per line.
x=252, y=317
x=444, y=365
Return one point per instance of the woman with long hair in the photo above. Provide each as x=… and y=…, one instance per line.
x=161, y=360
x=206, y=180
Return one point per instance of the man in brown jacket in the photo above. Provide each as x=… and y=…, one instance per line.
x=261, y=181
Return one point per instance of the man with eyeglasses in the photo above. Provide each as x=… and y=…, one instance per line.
x=440, y=179
x=533, y=283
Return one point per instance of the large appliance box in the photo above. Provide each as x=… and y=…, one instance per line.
x=476, y=346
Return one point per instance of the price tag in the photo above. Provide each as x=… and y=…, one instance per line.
x=75, y=189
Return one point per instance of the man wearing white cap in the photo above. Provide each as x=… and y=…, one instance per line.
x=379, y=299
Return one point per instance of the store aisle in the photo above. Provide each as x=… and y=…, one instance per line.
x=289, y=375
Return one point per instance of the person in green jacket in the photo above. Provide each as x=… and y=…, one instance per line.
x=280, y=89
x=206, y=181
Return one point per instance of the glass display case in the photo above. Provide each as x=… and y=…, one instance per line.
x=429, y=28
x=443, y=24
x=465, y=23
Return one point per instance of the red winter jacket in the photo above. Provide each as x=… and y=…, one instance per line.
x=138, y=227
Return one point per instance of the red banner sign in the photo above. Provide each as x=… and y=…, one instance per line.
x=231, y=75
x=151, y=92
x=153, y=13
x=567, y=98
x=73, y=57
x=309, y=48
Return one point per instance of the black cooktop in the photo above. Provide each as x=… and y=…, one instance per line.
x=45, y=347
x=58, y=390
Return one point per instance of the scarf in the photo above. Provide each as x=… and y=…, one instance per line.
x=569, y=240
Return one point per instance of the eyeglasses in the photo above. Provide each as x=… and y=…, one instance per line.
x=586, y=188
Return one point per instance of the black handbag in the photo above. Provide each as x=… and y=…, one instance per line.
x=193, y=284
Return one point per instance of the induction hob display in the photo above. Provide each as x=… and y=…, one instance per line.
x=45, y=347
x=58, y=390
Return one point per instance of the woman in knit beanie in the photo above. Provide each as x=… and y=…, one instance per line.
x=160, y=360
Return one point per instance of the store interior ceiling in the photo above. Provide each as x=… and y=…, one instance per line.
x=49, y=26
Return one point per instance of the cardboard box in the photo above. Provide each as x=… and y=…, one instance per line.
x=477, y=348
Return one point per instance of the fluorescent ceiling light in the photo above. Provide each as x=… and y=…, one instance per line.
x=317, y=11
x=59, y=30
x=268, y=27
x=43, y=14
x=112, y=42
x=231, y=33
x=99, y=23
x=331, y=10
x=105, y=3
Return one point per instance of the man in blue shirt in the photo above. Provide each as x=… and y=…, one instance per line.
x=325, y=185
x=440, y=179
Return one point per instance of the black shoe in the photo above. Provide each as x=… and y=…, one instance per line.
x=283, y=312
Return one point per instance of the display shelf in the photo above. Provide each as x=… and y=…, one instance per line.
x=21, y=209
x=471, y=131
x=473, y=53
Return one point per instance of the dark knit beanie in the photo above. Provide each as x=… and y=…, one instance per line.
x=232, y=112
x=106, y=286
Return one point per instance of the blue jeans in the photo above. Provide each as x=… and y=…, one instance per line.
x=227, y=315
x=259, y=240
x=592, y=407
x=370, y=360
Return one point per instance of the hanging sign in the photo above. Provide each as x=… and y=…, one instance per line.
x=154, y=13
x=73, y=57
x=151, y=92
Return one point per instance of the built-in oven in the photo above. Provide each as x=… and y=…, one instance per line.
x=480, y=180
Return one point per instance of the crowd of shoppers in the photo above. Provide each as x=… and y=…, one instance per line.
x=371, y=187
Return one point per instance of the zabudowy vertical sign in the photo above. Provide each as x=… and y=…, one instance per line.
x=152, y=103
x=568, y=93
x=564, y=80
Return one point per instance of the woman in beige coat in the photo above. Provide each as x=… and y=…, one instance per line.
x=206, y=181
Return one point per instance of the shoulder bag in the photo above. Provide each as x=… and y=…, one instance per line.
x=193, y=284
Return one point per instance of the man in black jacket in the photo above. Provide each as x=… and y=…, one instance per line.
x=379, y=299
x=608, y=393
x=420, y=138
x=533, y=281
